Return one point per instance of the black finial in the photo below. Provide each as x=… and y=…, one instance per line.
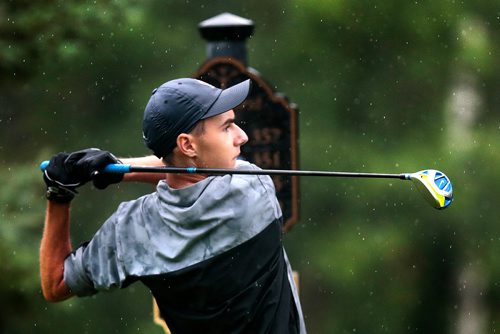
x=226, y=34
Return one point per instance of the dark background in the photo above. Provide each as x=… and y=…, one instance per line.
x=382, y=86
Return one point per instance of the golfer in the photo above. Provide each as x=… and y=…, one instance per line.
x=208, y=247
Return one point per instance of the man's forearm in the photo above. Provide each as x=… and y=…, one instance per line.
x=143, y=177
x=55, y=247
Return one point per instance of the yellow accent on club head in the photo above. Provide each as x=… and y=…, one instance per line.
x=437, y=196
x=425, y=183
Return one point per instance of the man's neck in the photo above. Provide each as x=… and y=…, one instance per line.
x=179, y=181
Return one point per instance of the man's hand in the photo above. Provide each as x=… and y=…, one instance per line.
x=61, y=183
x=88, y=164
x=65, y=172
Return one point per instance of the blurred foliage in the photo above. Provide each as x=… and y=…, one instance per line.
x=21, y=212
x=384, y=86
x=34, y=32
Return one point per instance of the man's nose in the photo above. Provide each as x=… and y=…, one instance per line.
x=241, y=137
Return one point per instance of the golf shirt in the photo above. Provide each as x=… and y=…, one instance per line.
x=210, y=253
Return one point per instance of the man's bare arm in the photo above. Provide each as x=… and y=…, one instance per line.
x=55, y=247
x=143, y=177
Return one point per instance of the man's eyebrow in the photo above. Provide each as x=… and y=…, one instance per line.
x=228, y=121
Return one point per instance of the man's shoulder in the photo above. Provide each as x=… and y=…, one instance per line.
x=245, y=165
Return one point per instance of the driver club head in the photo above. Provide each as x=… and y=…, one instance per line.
x=434, y=186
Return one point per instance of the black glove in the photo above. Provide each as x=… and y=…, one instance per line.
x=88, y=165
x=61, y=183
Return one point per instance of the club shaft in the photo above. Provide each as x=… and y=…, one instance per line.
x=122, y=168
x=217, y=171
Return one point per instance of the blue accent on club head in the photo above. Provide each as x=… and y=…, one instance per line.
x=441, y=182
x=191, y=169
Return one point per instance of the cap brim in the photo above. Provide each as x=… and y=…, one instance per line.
x=229, y=98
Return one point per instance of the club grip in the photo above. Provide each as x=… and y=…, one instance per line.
x=111, y=168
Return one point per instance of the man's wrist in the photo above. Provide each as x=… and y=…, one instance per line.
x=59, y=195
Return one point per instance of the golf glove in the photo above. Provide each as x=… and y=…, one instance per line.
x=88, y=164
x=61, y=182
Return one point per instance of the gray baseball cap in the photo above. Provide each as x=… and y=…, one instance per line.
x=176, y=106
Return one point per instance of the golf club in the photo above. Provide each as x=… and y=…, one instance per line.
x=434, y=185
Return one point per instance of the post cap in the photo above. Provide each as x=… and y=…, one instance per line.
x=226, y=26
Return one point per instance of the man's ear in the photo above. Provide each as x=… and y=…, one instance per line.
x=186, y=145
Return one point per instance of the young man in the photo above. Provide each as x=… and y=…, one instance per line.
x=208, y=247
